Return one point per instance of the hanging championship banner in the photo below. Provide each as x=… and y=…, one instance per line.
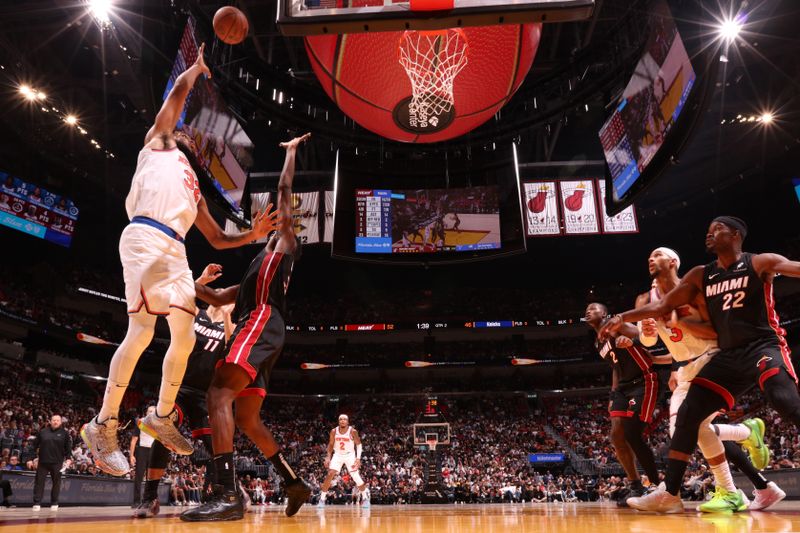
x=623, y=222
x=305, y=214
x=541, y=209
x=328, y=237
x=579, y=207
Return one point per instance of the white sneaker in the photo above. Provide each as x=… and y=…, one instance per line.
x=54, y=507
x=767, y=497
x=36, y=508
x=102, y=442
x=658, y=501
x=164, y=428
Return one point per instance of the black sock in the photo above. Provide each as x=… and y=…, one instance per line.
x=150, y=490
x=283, y=468
x=739, y=459
x=636, y=484
x=675, y=471
x=223, y=466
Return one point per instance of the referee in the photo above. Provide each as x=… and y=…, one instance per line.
x=140, y=459
x=53, y=445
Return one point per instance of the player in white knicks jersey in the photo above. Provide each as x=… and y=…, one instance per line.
x=163, y=203
x=344, y=449
x=692, y=342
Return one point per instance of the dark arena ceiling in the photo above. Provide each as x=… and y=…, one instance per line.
x=113, y=81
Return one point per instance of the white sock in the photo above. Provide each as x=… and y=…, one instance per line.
x=723, y=477
x=734, y=432
x=182, y=338
x=137, y=339
x=322, y=496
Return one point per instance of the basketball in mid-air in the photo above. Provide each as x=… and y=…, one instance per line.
x=230, y=25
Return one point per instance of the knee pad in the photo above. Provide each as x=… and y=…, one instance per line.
x=357, y=478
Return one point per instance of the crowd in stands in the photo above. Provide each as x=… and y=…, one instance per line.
x=487, y=460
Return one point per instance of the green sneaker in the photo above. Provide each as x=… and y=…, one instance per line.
x=724, y=501
x=755, y=445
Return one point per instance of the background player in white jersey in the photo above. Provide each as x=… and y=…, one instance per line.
x=344, y=449
x=163, y=204
x=692, y=341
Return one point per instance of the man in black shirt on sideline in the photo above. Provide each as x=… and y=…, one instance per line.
x=54, y=445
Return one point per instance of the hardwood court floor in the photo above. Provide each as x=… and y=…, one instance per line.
x=520, y=518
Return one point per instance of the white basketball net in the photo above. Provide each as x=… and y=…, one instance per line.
x=432, y=60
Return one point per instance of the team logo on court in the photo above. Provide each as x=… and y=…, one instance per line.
x=762, y=363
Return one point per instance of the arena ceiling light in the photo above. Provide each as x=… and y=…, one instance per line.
x=766, y=118
x=71, y=120
x=730, y=29
x=100, y=11
x=27, y=92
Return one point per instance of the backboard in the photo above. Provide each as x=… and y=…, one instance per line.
x=315, y=17
x=424, y=433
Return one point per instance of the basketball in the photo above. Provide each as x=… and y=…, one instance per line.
x=364, y=75
x=230, y=25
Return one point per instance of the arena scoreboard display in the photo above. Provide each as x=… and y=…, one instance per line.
x=28, y=208
x=373, y=221
x=427, y=220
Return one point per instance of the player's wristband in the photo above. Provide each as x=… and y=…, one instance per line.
x=358, y=451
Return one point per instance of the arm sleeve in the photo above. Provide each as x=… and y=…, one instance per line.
x=359, y=448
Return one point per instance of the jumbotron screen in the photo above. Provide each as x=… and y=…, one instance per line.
x=28, y=208
x=427, y=220
x=650, y=105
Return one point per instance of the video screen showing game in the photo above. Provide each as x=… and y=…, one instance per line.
x=650, y=105
x=427, y=220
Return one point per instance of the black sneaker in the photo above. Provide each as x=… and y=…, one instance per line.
x=624, y=494
x=297, y=492
x=225, y=505
x=147, y=509
x=637, y=492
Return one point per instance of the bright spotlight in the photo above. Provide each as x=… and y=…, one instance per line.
x=767, y=118
x=27, y=92
x=71, y=120
x=730, y=29
x=40, y=95
x=101, y=11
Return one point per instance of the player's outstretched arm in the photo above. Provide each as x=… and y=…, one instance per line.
x=683, y=294
x=218, y=297
x=776, y=264
x=286, y=224
x=172, y=107
x=263, y=223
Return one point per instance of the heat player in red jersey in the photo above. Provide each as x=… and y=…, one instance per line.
x=254, y=348
x=163, y=203
x=737, y=289
x=634, y=393
x=344, y=449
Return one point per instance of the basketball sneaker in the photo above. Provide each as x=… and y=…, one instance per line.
x=226, y=505
x=755, y=445
x=659, y=501
x=101, y=439
x=724, y=501
x=147, y=509
x=767, y=497
x=36, y=508
x=297, y=493
x=165, y=429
